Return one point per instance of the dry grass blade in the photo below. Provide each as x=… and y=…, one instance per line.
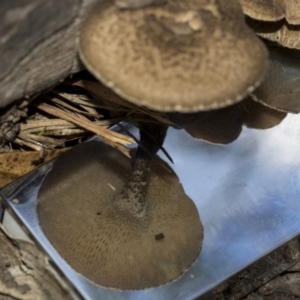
x=83, y=102
x=50, y=125
x=61, y=129
x=66, y=132
x=112, y=101
x=103, y=93
x=115, y=139
x=35, y=125
x=46, y=141
x=55, y=127
x=156, y=116
x=68, y=108
x=31, y=145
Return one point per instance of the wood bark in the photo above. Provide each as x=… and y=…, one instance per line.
x=276, y=276
x=26, y=273
x=38, y=44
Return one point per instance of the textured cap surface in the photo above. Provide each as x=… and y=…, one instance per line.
x=281, y=32
x=273, y=10
x=179, y=56
x=281, y=88
x=110, y=247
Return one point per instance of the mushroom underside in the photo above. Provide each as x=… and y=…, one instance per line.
x=223, y=126
x=275, y=10
x=281, y=87
x=281, y=32
x=105, y=244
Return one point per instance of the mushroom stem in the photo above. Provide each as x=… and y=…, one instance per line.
x=133, y=195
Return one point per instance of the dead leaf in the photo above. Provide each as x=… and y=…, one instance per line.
x=26, y=273
x=16, y=164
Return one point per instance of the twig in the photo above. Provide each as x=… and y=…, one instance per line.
x=111, y=137
x=28, y=144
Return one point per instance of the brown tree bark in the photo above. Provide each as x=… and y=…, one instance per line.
x=38, y=44
x=276, y=276
x=26, y=273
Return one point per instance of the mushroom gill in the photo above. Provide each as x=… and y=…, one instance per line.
x=281, y=88
x=218, y=126
x=275, y=10
x=173, y=55
x=223, y=126
x=280, y=32
x=118, y=225
x=277, y=20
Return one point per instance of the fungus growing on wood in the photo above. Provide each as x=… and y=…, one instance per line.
x=174, y=56
x=277, y=20
x=281, y=88
x=280, y=32
x=119, y=226
x=275, y=10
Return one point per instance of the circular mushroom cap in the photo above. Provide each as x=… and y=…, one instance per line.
x=281, y=88
x=280, y=32
x=108, y=246
x=224, y=126
x=178, y=56
x=273, y=10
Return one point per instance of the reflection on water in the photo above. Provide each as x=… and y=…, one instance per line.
x=247, y=194
x=102, y=236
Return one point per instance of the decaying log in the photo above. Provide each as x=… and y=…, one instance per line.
x=25, y=273
x=38, y=44
x=275, y=276
x=9, y=121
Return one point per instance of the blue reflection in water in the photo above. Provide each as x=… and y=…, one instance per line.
x=247, y=194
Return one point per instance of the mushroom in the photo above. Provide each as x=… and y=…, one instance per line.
x=275, y=10
x=281, y=32
x=109, y=227
x=219, y=126
x=223, y=126
x=281, y=88
x=175, y=56
x=277, y=20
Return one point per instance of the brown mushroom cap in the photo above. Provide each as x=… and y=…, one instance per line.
x=281, y=32
x=178, y=56
x=281, y=88
x=273, y=10
x=223, y=126
x=109, y=246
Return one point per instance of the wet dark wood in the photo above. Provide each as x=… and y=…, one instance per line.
x=25, y=273
x=38, y=44
x=276, y=276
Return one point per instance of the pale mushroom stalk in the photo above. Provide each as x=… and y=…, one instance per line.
x=133, y=195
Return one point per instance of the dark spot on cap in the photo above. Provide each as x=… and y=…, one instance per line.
x=159, y=236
